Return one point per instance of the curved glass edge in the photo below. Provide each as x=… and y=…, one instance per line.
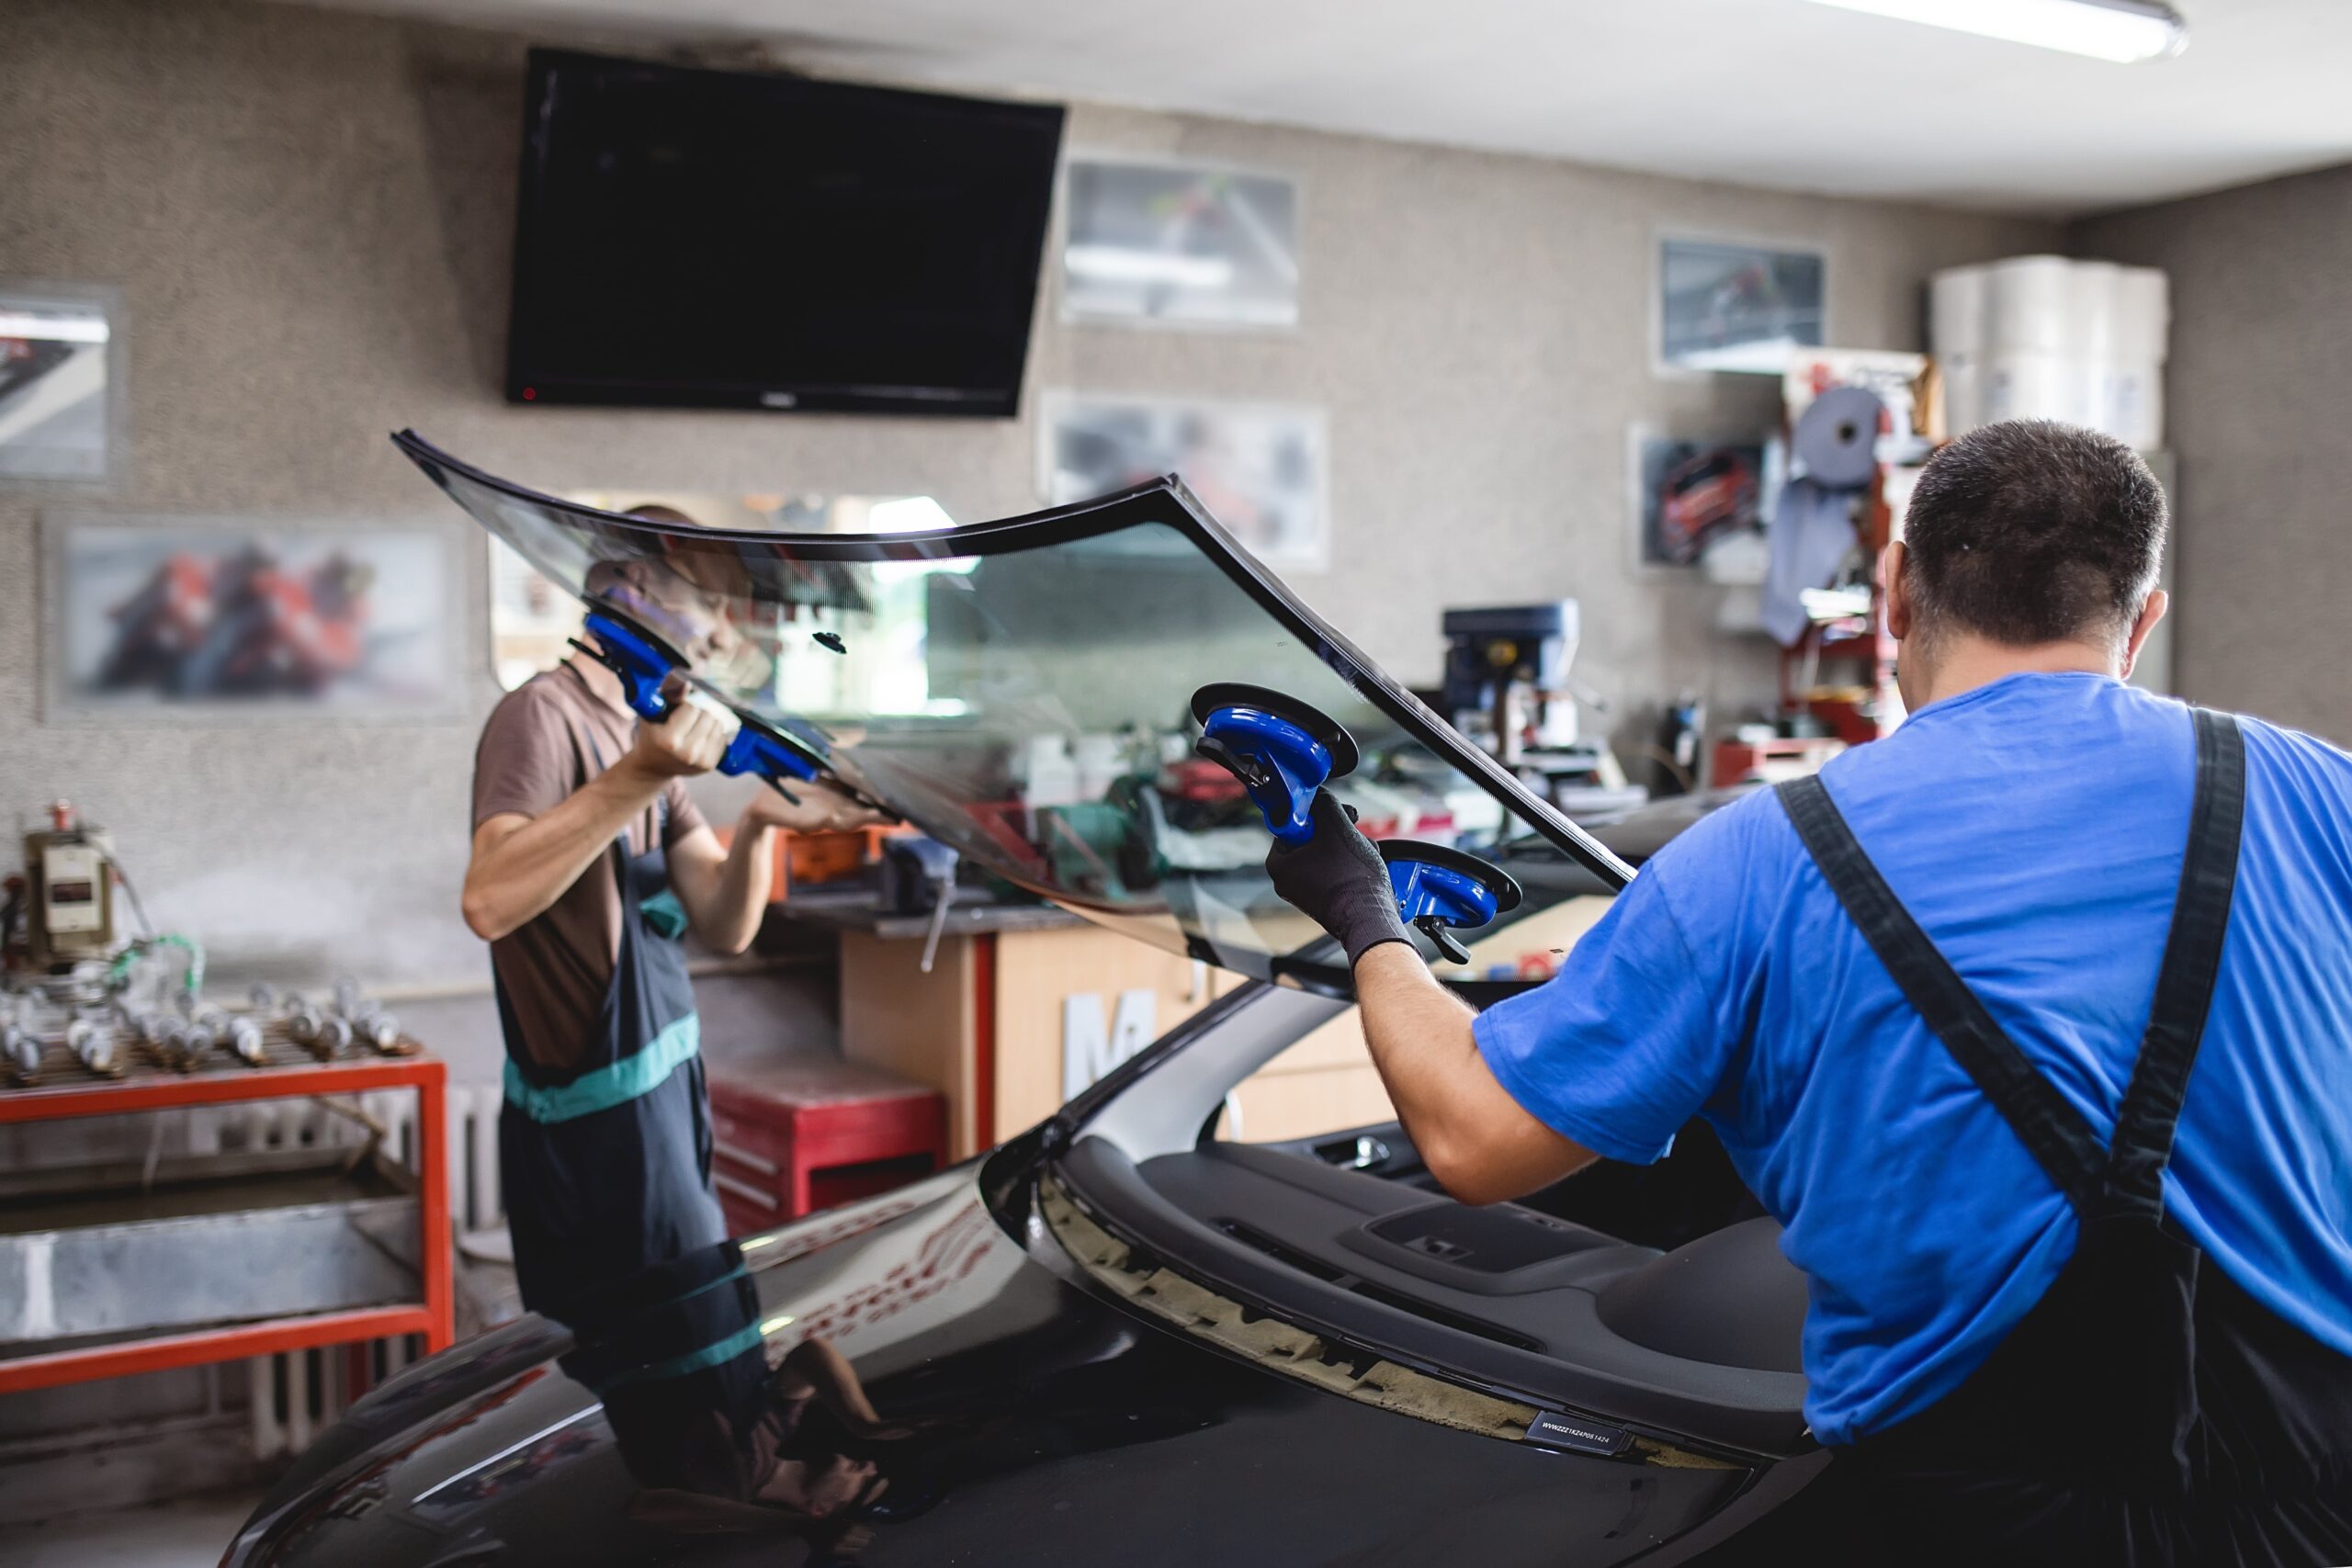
x=1165, y=501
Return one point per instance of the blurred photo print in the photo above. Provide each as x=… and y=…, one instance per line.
x=1258, y=467
x=56, y=396
x=1180, y=244
x=1737, y=308
x=189, y=617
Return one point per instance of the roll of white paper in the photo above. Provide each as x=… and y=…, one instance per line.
x=1963, y=393
x=2036, y=386
x=1956, y=313
x=2142, y=316
x=1837, y=437
x=2028, y=302
x=2135, y=406
x=2091, y=322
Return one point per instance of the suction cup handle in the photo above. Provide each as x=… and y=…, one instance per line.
x=1453, y=897
x=1279, y=764
x=643, y=668
x=764, y=755
x=1442, y=888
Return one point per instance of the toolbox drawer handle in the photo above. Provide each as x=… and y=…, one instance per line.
x=743, y=1156
x=746, y=1191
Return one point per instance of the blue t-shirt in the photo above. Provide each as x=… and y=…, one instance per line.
x=2034, y=827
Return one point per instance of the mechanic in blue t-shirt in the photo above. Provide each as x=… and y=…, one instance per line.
x=1910, y=996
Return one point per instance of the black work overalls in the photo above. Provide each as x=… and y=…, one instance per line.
x=2147, y=1410
x=607, y=1168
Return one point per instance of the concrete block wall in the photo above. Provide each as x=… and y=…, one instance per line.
x=308, y=214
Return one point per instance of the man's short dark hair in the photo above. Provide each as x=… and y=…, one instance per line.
x=2032, y=532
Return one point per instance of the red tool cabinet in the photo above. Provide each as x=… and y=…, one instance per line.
x=800, y=1133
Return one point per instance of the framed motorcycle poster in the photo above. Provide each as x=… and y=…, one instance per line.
x=235, y=620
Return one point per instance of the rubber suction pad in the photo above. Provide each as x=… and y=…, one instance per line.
x=1498, y=884
x=662, y=647
x=765, y=751
x=642, y=657
x=1334, y=738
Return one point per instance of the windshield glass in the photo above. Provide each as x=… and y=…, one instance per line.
x=1023, y=691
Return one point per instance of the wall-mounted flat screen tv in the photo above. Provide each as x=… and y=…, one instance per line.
x=718, y=239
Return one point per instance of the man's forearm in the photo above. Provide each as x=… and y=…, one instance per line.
x=1419, y=1036
x=516, y=877
x=1476, y=1139
x=732, y=919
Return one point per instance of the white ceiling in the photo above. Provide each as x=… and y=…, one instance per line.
x=1778, y=93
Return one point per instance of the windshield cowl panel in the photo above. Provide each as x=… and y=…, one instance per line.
x=1022, y=691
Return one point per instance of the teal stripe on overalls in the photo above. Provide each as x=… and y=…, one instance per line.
x=606, y=1087
x=665, y=914
x=716, y=1354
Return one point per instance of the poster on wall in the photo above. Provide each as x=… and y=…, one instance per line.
x=1180, y=244
x=1691, y=494
x=1258, y=468
x=59, y=365
x=1736, y=307
x=212, y=619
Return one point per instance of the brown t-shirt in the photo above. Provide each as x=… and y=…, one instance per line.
x=545, y=739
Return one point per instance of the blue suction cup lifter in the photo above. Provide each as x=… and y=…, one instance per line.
x=1281, y=750
x=1439, y=889
x=638, y=655
x=1282, y=766
x=765, y=751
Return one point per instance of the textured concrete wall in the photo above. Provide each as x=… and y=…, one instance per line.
x=309, y=215
x=2259, y=393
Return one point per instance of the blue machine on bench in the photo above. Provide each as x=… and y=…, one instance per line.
x=1283, y=751
x=645, y=661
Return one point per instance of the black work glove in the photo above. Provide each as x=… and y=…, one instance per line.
x=1339, y=880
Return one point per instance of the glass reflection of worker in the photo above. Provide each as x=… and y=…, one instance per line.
x=742, y=1447
x=718, y=1441
x=590, y=862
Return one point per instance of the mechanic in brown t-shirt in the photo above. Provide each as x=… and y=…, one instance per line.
x=590, y=861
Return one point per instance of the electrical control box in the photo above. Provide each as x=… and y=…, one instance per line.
x=72, y=890
x=69, y=906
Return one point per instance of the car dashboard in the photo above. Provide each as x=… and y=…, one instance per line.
x=1348, y=1233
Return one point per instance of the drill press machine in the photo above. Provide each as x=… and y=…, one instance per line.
x=1507, y=688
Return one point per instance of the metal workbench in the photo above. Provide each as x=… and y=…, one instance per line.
x=233, y=1256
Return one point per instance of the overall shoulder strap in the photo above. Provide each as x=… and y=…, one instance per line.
x=583, y=748
x=2060, y=1140
x=2201, y=919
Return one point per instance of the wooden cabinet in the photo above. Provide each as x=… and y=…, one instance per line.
x=1327, y=1083
x=994, y=1024
x=1323, y=1084
x=923, y=1028
x=1038, y=979
x=1008, y=1022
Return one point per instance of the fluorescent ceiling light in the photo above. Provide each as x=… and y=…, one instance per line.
x=2125, y=32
